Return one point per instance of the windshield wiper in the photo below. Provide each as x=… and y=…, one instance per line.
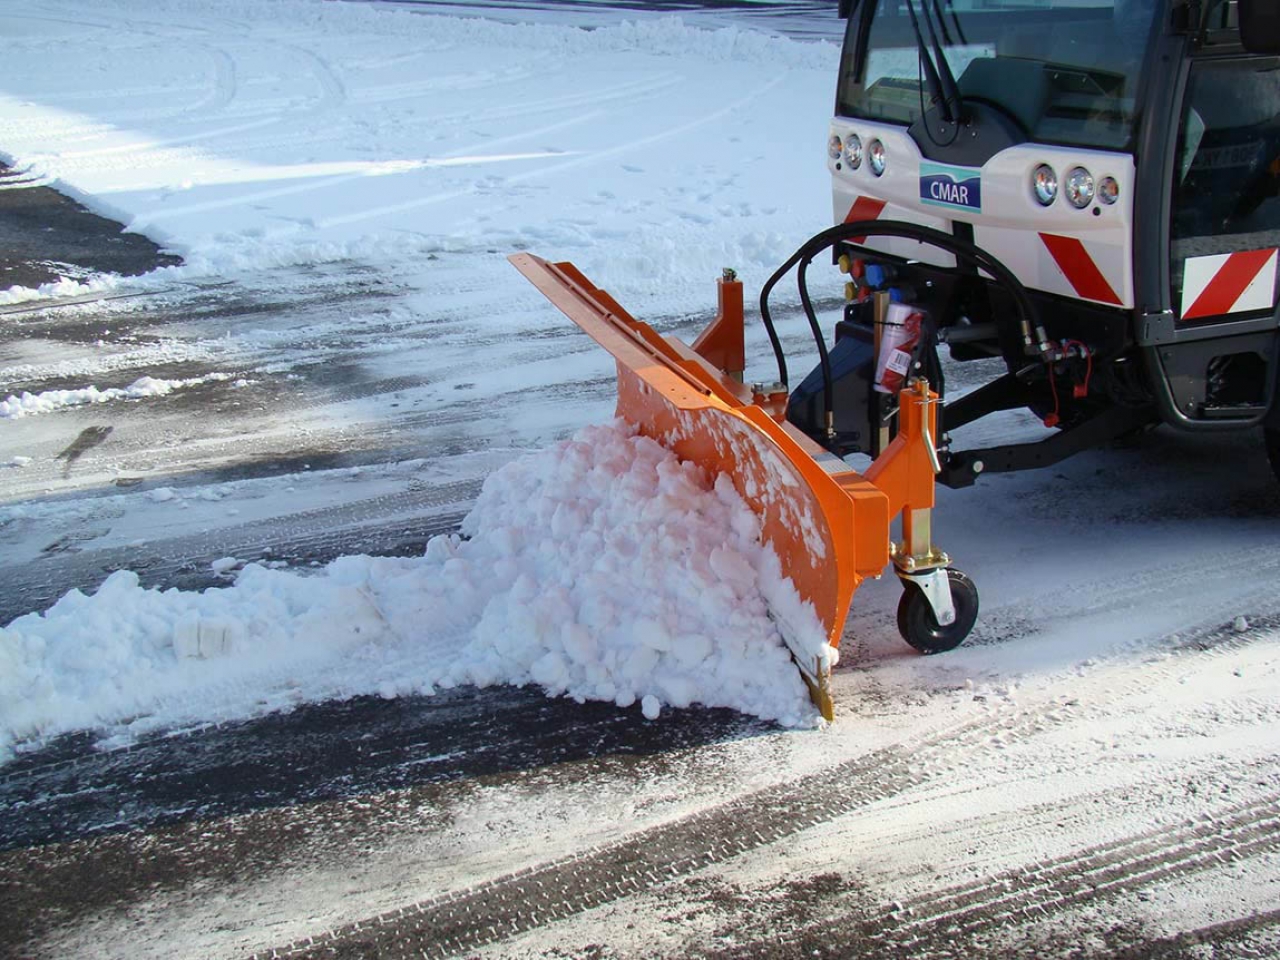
x=955, y=19
x=931, y=78
x=953, y=105
x=942, y=23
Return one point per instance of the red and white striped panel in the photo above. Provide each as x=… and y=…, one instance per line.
x=1082, y=270
x=1228, y=283
x=864, y=208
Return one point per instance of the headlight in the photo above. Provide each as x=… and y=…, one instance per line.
x=1045, y=183
x=853, y=151
x=834, y=147
x=1079, y=187
x=875, y=156
x=1108, y=190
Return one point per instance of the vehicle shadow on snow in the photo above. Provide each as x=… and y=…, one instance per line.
x=339, y=750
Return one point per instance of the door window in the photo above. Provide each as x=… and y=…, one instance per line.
x=1226, y=191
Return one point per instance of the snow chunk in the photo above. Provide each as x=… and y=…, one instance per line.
x=194, y=637
x=49, y=401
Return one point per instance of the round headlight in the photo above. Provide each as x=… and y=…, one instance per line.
x=1108, y=190
x=853, y=151
x=1045, y=183
x=834, y=147
x=875, y=156
x=1079, y=187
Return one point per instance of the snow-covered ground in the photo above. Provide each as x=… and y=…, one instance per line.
x=361, y=171
x=248, y=138
x=314, y=133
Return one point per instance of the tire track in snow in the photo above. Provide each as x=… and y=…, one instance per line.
x=1217, y=934
x=215, y=100
x=223, y=90
x=1104, y=870
x=492, y=912
x=963, y=919
x=1250, y=573
x=391, y=93
x=630, y=91
x=332, y=91
x=560, y=166
x=954, y=921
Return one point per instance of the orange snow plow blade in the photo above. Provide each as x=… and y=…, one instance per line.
x=827, y=523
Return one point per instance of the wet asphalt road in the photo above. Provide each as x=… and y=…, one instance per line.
x=71, y=790
x=45, y=236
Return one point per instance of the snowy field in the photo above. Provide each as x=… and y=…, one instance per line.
x=346, y=350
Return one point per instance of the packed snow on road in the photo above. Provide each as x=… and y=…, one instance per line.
x=344, y=350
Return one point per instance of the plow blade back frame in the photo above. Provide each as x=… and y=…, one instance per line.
x=828, y=524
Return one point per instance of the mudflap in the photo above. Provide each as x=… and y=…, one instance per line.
x=826, y=523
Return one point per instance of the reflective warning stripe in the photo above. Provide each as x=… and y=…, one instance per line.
x=864, y=208
x=1079, y=269
x=1228, y=283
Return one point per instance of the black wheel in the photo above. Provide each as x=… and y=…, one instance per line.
x=919, y=627
x=1273, y=449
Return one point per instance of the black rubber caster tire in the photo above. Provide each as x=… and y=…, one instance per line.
x=1273, y=449
x=920, y=628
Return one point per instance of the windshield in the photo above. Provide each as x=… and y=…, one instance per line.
x=1066, y=70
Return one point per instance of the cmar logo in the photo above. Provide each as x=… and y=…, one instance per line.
x=956, y=187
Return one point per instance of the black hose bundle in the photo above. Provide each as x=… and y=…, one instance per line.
x=1034, y=339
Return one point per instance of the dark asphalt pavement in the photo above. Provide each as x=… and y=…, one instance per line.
x=45, y=237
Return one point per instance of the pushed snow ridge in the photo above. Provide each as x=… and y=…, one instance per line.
x=601, y=568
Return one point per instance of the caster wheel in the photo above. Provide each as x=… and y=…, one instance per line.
x=1273, y=449
x=920, y=628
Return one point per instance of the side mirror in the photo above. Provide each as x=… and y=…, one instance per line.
x=1260, y=25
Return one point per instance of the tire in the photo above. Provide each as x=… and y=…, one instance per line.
x=920, y=628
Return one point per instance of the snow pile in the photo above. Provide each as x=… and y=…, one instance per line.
x=601, y=569
x=50, y=400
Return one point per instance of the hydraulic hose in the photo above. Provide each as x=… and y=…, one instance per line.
x=1034, y=338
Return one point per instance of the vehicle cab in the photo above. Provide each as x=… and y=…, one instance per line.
x=1120, y=157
